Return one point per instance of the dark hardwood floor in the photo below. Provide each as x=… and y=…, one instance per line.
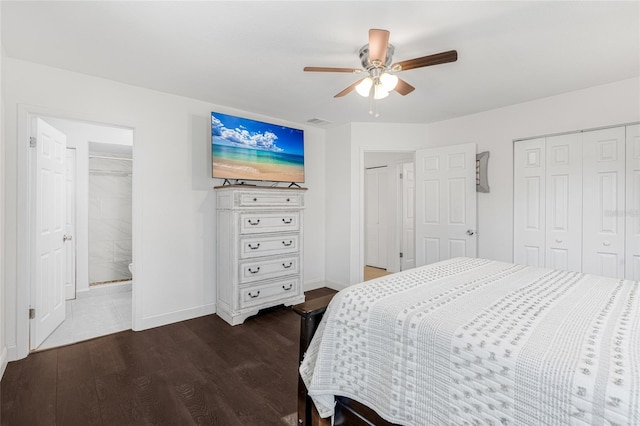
x=196, y=372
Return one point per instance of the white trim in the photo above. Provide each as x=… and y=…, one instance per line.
x=313, y=285
x=176, y=316
x=23, y=279
x=576, y=131
x=336, y=286
x=3, y=361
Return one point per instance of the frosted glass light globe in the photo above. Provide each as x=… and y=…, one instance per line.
x=364, y=87
x=389, y=81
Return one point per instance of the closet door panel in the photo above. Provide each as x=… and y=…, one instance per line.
x=376, y=200
x=564, y=202
x=632, y=261
x=529, y=202
x=604, y=202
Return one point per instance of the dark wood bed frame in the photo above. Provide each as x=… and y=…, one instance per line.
x=347, y=411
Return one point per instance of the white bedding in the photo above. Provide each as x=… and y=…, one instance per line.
x=473, y=341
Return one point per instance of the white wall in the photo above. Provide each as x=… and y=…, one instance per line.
x=493, y=131
x=174, y=203
x=3, y=322
x=338, y=220
x=110, y=230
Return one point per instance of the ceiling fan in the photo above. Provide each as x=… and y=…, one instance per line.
x=376, y=62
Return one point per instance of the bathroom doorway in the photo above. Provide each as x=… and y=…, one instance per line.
x=99, y=211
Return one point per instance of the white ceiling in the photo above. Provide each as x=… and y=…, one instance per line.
x=250, y=55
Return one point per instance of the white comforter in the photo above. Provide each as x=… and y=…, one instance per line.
x=472, y=341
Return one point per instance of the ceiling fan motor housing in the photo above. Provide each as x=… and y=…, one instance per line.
x=366, y=62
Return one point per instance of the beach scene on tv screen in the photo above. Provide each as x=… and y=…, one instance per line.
x=252, y=150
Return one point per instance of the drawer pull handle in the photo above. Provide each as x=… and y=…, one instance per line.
x=257, y=246
x=284, y=243
x=287, y=221
x=254, y=272
x=254, y=223
x=255, y=199
x=287, y=266
x=253, y=296
x=288, y=199
x=287, y=288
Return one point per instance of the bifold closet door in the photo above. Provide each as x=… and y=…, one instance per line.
x=563, y=242
x=529, y=202
x=604, y=202
x=633, y=203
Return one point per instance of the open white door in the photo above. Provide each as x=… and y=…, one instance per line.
x=408, y=259
x=48, y=258
x=632, y=262
x=445, y=203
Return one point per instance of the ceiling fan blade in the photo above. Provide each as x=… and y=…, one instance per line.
x=425, y=61
x=348, y=89
x=403, y=87
x=329, y=69
x=378, y=43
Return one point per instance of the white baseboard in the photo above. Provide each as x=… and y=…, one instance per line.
x=176, y=316
x=312, y=285
x=3, y=361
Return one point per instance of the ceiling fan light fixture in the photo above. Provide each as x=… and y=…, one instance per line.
x=379, y=92
x=364, y=87
x=388, y=81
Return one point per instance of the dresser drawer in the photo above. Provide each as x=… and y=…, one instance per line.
x=254, y=223
x=259, y=294
x=269, y=199
x=265, y=269
x=256, y=246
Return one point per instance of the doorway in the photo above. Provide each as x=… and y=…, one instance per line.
x=442, y=209
x=385, y=200
x=98, y=234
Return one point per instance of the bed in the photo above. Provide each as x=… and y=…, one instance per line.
x=473, y=341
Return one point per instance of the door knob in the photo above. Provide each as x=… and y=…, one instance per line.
x=66, y=238
x=471, y=232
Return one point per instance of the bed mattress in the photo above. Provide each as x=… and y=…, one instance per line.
x=474, y=341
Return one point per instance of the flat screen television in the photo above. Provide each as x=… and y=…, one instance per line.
x=244, y=149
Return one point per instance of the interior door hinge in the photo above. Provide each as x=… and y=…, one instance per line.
x=400, y=175
x=401, y=254
x=32, y=313
x=32, y=141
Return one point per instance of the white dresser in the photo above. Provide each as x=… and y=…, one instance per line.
x=258, y=250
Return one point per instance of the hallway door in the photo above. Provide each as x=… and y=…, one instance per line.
x=445, y=203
